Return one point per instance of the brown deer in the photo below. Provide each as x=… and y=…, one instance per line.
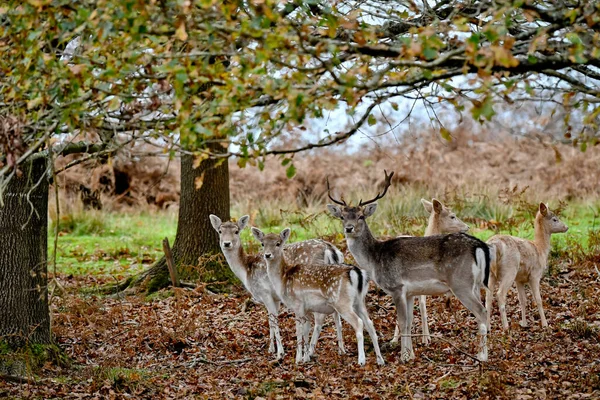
x=322, y=289
x=251, y=270
x=523, y=262
x=441, y=220
x=405, y=267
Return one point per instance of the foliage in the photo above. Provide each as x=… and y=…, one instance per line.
x=247, y=72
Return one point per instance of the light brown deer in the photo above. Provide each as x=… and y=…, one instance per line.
x=322, y=289
x=523, y=262
x=441, y=220
x=405, y=267
x=251, y=270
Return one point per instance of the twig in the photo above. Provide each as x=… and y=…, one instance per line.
x=20, y=379
x=170, y=264
x=224, y=362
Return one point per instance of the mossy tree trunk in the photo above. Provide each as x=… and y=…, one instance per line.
x=204, y=191
x=24, y=312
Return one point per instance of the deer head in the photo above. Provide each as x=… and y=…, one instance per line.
x=272, y=243
x=229, y=232
x=353, y=217
x=549, y=221
x=442, y=218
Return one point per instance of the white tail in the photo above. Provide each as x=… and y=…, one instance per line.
x=251, y=270
x=441, y=220
x=324, y=289
x=409, y=266
x=523, y=262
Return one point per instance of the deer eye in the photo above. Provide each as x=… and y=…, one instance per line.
x=262, y=245
x=342, y=218
x=278, y=244
x=361, y=217
x=554, y=219
x=237, y=232
x=220, y=232
x=453, y=217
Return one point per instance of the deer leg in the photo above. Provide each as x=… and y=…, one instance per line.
x=522, y=303
x=489, y=298
x=426, y=338
x=534, y=283
x=299, y=336
x=338, y=328
x=504, y=284
x=319, y=319
x=356, y=323
x=363, y=314
x=402, y=315
x=396, y=334
x=305, y=341
x=473, y=304
x=410, y=313
x=273, y=310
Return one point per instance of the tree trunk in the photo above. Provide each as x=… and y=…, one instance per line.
x=24, y=313
x=195, y=236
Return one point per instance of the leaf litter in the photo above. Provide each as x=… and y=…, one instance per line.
x=193, y=344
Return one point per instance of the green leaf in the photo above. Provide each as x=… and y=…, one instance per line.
x=290, y=171
x=371, y=120
x=446, y=134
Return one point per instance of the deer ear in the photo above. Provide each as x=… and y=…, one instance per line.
x=285, y=234
x=215, y=221
x=243, y=221
x=427, y=205
x=257, y=233
x=334, y=210
x=437, y=206
x=369, y=209
x=543, y=209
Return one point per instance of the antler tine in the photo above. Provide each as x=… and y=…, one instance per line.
x=388, y=182
x=341, y=203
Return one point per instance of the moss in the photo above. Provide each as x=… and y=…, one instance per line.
x=21, y=360
x=160, y=280
x=215, y=271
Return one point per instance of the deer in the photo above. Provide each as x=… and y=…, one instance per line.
x=251, y=270
x=320, y=289
x=405, y=267
x=523, y=262
x=441, y=220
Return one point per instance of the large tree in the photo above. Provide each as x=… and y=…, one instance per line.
x=238, y=76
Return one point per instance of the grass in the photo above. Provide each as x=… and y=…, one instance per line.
x=122, y=243
x=110, y=243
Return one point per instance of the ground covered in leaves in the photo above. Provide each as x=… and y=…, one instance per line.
x=192, y=344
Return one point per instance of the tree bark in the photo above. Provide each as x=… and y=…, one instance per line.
x=24, y=312
x=195, y=236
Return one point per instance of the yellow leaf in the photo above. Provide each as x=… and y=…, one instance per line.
x=34, y=102
x=180, y=33
x=199, y=181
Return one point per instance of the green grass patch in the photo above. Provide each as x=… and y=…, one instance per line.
x=120, y=243
x=124, y=243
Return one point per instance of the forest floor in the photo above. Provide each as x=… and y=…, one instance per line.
x=188, y=344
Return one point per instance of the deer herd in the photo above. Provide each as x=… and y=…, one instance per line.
x=310, y=277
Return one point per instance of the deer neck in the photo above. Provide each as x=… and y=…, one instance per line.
x=541, y=241
x=238, y=262
x=275, y=271
x=433, y=227
x=364, y=249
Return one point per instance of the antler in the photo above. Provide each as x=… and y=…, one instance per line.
x=341, y=203
x=388, y=182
